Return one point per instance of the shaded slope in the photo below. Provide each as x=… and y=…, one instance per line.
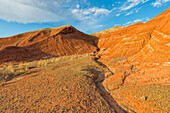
x=48, y=42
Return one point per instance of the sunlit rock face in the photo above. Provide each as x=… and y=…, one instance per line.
x=138, y=55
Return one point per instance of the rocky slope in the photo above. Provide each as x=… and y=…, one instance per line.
x=151, y=37
x=44, y=43
x=138, y=55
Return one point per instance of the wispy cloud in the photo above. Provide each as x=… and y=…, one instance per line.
x=131, y=3
x=159, y=3
x=89, y=13
x=78, y=12
x=130, y=6
x=31, y=11
x=128, y=23
x=129, y=13
x=78, y=6
x=137, y=20
x=117, y=14
x=136, y=10
x=89, y=18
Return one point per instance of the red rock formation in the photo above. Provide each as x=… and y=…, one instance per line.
x=62, y=41
x=147, y=39
x=137, y=55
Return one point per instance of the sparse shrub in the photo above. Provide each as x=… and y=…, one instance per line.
x=26, y=63
x=19, y=78
x=4, y=67
x=45, y=63
x=52, y=60
x=74, y=56
x=21, y=65
x=57, y=59
x=2, y=83
x=40, y=63
x=144, y=98
x=10, y=68
x=6, y=76
x=19, y=72
x=26, y=68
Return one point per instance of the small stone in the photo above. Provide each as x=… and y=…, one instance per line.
x=144, y=98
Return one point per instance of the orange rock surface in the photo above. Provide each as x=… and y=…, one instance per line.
x=44, y=43
x=137, y=55
x=147, y=39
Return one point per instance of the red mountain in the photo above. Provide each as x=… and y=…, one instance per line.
x=44, y=43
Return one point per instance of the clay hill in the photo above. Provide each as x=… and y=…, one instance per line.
x=107, y=31
x=45, y=43
x=122, y=69
x=139, y=57
x=147, y=41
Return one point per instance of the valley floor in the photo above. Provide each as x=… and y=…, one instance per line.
x=74, y=84
x=68, y=84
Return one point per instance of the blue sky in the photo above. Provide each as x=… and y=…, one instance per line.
x=89, y=16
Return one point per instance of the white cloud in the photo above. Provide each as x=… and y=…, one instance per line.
x=31, y=11
x=37, y=11
x=83, y=14
x=75, y=12
x=117, y=14
x=128, y=23
x=89, y=25
x=79, y=13
x=131, y=3
x=99, y=11
x=142, y=20
x=137, y=9
x=98, y=26
x=159, y=3
x=78, y=6
x=117, y=25
x=129, y=13
x=137, y=20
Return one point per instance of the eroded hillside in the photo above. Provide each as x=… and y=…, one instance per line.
x=139, y=57
x=45, y=43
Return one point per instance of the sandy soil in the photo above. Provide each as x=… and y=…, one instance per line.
x=69, y=85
